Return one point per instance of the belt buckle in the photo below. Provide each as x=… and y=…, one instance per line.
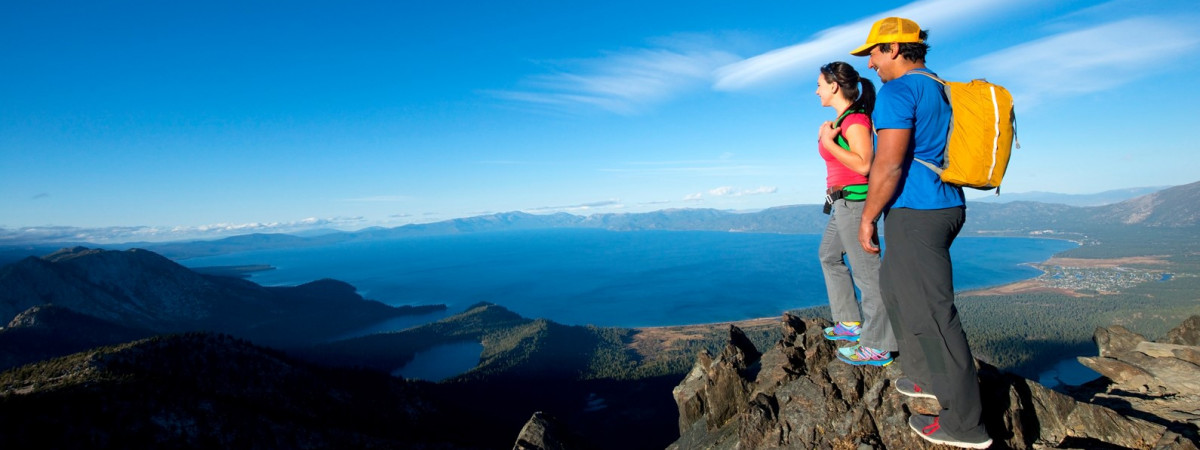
x=828, y=199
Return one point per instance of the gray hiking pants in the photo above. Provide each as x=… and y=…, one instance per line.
x=917, y=281
x=841, y=238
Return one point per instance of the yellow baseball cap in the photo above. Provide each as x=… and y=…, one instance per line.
x=889, y=29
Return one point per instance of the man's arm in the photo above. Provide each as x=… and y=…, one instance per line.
x=885, y=176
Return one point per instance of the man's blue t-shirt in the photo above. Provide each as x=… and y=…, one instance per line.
x=917, y=102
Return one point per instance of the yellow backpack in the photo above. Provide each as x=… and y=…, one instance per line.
x=981, y=135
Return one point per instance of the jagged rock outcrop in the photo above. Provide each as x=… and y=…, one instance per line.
x=1158, y=381
x=1187, y=333
x=798, y=395
x=716, y=390
x=544, y=432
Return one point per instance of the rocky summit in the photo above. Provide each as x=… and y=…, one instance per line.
x=798, y=395
x=1158, y=381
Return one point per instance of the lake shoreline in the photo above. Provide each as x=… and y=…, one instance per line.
x=1029, y=285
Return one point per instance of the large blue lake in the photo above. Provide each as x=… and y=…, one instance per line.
x=606, y=278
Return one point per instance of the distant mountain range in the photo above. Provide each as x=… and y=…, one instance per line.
x=1172, y=208
x=1097, y=199
x=1175, y=207
x=1168, y=208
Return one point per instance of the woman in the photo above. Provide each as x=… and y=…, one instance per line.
x=846, y=146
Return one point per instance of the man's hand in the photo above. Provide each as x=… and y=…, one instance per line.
x=868, y=237
x=890, y=152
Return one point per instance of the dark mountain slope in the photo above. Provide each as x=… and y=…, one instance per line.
x=44, y=332
x=589, y=377
x=1174, y=207
x=143, y=290
x=212, y=391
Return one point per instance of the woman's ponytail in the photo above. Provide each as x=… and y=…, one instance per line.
x=866, y=97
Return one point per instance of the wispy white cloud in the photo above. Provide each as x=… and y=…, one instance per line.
x=581, y=207
x=655, y=203
x=513, y=162
x=722, y=167
x=761, y=190
x=721, y=191
x=730, y=191
x=800, y=60
x=110, y=235
x=633, y=80
x=1087, y=60
x=625, y=82
x=379, y=199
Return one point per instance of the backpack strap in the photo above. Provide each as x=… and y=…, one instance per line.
x=946, y=88
x=930, y=75
x=839, y=139
x=935, y=169
x=845, y=114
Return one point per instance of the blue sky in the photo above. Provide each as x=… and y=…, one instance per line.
x=125, y=121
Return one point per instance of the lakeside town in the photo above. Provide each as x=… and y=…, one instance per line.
x=1101, y=280
x=1084, y=276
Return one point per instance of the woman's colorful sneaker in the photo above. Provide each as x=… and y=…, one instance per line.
x=843, y=332
x=859, y=355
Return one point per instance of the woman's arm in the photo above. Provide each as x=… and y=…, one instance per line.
x=861, y=151
x=858, y=159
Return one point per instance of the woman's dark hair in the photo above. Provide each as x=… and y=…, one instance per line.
x=912, y=51
x=848, y=81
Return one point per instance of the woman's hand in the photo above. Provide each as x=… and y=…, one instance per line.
x=827, y=131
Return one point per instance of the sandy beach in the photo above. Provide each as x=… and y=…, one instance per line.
x=1039, y=285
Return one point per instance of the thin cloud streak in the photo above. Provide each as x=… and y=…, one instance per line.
x=1088, y=60
x=630, y=82
x=730, y=170
x=835, y=43
x=624, y=83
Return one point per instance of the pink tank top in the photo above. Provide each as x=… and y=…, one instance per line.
x=838, y=174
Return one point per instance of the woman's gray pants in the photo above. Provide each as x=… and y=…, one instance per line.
x=841, y=238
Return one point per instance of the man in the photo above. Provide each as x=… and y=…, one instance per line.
x=924, y=215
